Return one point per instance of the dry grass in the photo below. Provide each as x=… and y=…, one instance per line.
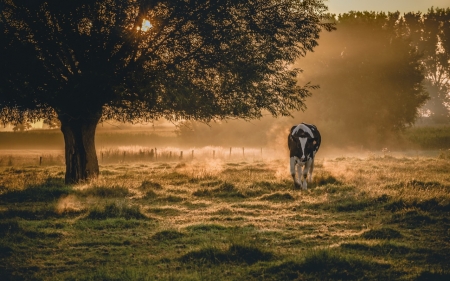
x=379, y=217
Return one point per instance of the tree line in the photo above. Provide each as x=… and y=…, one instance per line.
x=378, y=72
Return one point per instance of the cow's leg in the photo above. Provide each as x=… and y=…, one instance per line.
x=305, y=174
x=292, y=164
x=311, y=170
x=301, y=170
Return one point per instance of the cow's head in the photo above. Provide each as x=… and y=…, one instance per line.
x=302, y=142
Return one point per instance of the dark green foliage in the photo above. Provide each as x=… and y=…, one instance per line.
x=115, y=210
x=382, y=233
x=234, y=254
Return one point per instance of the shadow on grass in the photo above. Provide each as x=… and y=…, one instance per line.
x=225, y=190
x=382, y=233
x=326, y=265
x=51, y=190
x=167, y=235
x=433, y=276
x=104, y=192
x=278, y=197
x=38, y=212
x=234, y=254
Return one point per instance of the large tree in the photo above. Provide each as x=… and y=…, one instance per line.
x=134, y=60
x=430, y=34
x=370, y=78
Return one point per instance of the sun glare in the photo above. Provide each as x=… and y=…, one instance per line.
x=146, y=25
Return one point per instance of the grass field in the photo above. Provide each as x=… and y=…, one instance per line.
x=372, y=218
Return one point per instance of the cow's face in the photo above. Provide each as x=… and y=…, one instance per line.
x=306, y=146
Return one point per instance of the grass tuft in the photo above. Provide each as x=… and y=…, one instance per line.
x=116, y=210
x=234, y=254
x=167, y=235
x=327, y=265
x=105, y=192
x=383, y=233
x=278, y=197
x=150, y=185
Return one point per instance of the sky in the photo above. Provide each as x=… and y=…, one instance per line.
x=343, y=6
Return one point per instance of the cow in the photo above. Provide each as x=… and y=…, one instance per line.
x=303, y=142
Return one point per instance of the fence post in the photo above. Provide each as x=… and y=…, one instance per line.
x=156, y=154
x=192, y=154
x=40, y=160
x=214, y=154
x=243, y=154
x=181, y=155
x=230, y=152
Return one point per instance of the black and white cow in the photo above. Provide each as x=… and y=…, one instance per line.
x=303, y=142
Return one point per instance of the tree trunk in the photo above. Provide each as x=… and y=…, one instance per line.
x=79, y=139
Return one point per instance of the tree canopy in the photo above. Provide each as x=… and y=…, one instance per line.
x=430, y=35
x=370, y=76
x=137, y=60
x=199, y=59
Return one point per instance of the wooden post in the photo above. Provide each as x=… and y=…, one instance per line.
x=243, y=154
x=181, y=155
x=214, y=154
x=192, y=154
x=40, y=160
x=170, y=155
x=230, y=152
x=261, y=153
x=156, y=154
x=102, y=156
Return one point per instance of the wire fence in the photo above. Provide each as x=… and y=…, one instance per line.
x=123, y=154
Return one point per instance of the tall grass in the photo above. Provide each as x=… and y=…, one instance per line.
x=360, y=219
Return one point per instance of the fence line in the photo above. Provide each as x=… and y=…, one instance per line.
x=147, y=154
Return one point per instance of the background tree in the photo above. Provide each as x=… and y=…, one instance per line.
x=370, y=78
x=140, y=60
x=430, y=34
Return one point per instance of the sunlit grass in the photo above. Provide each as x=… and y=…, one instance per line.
x=361, y=218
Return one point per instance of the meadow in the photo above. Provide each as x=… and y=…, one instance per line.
x=373, y=217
